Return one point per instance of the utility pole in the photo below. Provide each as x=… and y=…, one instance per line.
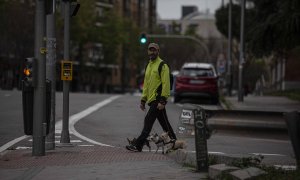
x=69, y=10
x=65, y=136
x=241, y=61
x=229, y=57
x=51, y=71
x=39, y=99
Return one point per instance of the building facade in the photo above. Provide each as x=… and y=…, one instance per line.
x=199, y=24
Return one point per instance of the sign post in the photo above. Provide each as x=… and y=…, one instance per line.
x=200, y=139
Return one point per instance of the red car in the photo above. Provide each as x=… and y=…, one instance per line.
x=197, y=80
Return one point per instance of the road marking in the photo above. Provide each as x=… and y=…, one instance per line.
x=215, y=152
x=255, y=139
x=76, y=117
x=209, y=152
x=257, y=154
x=23, y=147
x=180, y=105
x=286, y=167
x=73, y=119
x=86, y=145
x=10, y=143
x=138, y=94
x=71, y=141
x=266, y=154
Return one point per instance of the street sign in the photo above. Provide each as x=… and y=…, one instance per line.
x=186, y=122
x=221, y=64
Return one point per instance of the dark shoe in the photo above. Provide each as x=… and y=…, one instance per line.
x=133, y=148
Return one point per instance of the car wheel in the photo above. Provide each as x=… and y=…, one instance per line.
x=215, y=100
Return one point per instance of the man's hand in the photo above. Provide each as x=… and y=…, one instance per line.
x=142, y=106
x=160, y=106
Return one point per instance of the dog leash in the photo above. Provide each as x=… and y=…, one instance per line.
x=166, y=120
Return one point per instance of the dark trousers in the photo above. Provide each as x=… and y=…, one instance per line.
x=150, y=118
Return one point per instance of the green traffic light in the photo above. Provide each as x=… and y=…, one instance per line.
x=143, y=40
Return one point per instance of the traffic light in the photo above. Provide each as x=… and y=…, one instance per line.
x=143, y=38
x=30, y=71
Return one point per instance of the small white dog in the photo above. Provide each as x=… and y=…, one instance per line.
x=158, y=142
x=172, y=144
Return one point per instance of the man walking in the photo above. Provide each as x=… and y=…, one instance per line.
x=156, y=91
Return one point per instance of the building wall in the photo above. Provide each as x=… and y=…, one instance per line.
x=205, y=25
x=292, y=70
x=285, y=73
x=143, y=14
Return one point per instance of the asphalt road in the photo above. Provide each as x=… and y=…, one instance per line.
x=122, y=119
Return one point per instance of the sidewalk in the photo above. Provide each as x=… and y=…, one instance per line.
x=99, y=162
x=96, y=162
x=263, y=103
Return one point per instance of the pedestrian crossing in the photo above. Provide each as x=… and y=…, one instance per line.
x=74, y=141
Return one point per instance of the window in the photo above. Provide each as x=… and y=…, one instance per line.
x=196, y=72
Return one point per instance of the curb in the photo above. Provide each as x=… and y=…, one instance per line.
x=183, y=157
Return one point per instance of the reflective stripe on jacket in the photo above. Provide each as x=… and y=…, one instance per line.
x=152, y=80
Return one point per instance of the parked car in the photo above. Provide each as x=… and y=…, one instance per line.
x=197, y=80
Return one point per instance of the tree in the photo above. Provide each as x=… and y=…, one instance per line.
x=271, y=25
x=111, y=35
x=15, y=44
x=277, y=28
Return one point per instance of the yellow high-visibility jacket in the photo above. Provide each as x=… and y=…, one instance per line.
x=153, y=80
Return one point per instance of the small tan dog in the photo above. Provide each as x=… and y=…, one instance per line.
x=172, y=144
x=158, y=142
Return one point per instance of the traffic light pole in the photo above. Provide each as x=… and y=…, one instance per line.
x=65, y=136
x=51, y=73
x=39, y=107
x=241, y=60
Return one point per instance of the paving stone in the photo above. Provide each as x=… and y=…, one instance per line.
x=247, y=173
x=215, y=170
x=92, y=163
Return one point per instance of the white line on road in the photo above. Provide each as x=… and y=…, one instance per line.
x=266, y=154
x=286, y=167
x=76, y=117
x=23, y=147
x=71, y=141
x=209, y=152
x=10, y=143
x=86, y=145
x=73, y=120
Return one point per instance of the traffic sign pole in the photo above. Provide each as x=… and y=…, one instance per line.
x=39, y=107
x=65, y=136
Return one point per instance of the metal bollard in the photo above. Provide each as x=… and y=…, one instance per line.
x=292, y=120
x=200, y=139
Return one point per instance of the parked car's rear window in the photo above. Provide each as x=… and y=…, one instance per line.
x=197, y=72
